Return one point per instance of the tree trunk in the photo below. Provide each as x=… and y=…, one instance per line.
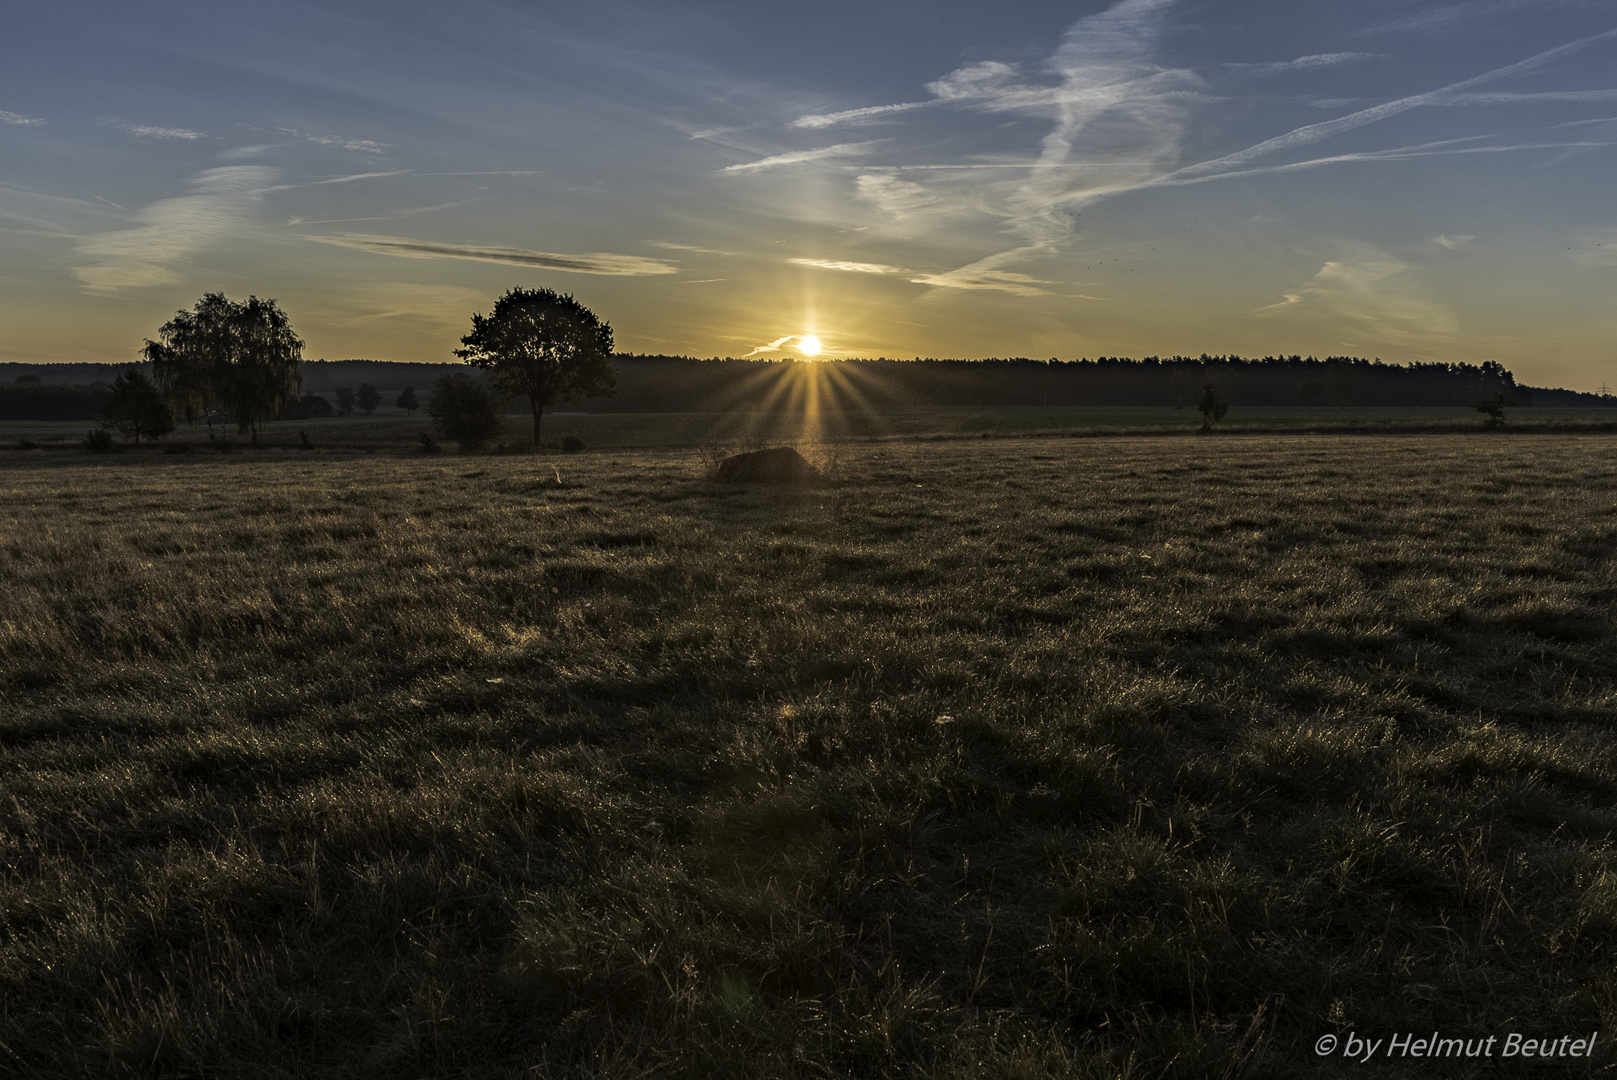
x=538, y=411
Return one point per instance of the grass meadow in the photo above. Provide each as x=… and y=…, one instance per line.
x=390, y=429
x=1032, y=757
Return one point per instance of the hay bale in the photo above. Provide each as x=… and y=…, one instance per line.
x=777, y=465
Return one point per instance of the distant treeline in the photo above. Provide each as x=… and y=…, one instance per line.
x=28, y=398
x=655, y=383
x=675, y=383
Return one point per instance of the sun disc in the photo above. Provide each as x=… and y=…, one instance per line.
x=810, y=345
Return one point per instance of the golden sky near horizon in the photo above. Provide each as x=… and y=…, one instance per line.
x=1403, y=180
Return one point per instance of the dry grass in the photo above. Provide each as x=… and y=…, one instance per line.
x=1031, y=758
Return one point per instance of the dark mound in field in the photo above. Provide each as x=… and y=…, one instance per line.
x=777, y=465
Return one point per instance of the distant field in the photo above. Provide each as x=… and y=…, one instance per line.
x=1034, y=757
x=628, y=430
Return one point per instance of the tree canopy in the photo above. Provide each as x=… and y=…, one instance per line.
x=542, y=345
x=242, y=356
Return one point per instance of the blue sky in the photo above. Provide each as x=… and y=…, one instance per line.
x=1414, y=181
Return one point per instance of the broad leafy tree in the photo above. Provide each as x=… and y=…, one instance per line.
x=137, y=407
x=467, y=411
x=368, y=398
x=407, y=401
x=345, y=400
x=241, y=356
x=542, y=345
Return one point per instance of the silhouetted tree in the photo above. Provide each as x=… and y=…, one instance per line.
x=242, y=355
x=1311, y=391
x=345, y=400
x=544, y=346
x=466, y=411
x=1212, y=406
x=407, y=401
x=137, y=408
x=1492, y=409
x=368, y=397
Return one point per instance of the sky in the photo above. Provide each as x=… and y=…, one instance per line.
x=1407, y=180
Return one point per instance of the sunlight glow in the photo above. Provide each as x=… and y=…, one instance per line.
x=809, y=345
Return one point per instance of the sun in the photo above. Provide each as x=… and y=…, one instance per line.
x=809, y=345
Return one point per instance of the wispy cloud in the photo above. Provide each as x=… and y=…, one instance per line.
x=1528, y=97
x=434, y=305
x=348, y=179
x=1453, y=243
x=798, y=157
x=1377, y=295
x=1471, y=11
x=895, y=196
x=858, y=116
x=48, y=214
x=588, y=263
x=488, y=172
x=147, y=131
x=1302, y=63
x=987, y=274
x=409, y=211
x=773, y=345
x=984, y=274
x=220, y=202
x=1118, y=119
x=1309, y=134
x=365, y=146
x=20, y=119
x=671, y=246
x=1446, y=147
x=850, y=267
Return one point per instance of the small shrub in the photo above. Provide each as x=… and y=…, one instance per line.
x=1492, y=410
x=136, y=408
x=98, y=441
x=303, y=441
x=466, y=411
x=571, y=444
x=27, y=444
x=221, y=443
x=429, y=445
x=1212, y=406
